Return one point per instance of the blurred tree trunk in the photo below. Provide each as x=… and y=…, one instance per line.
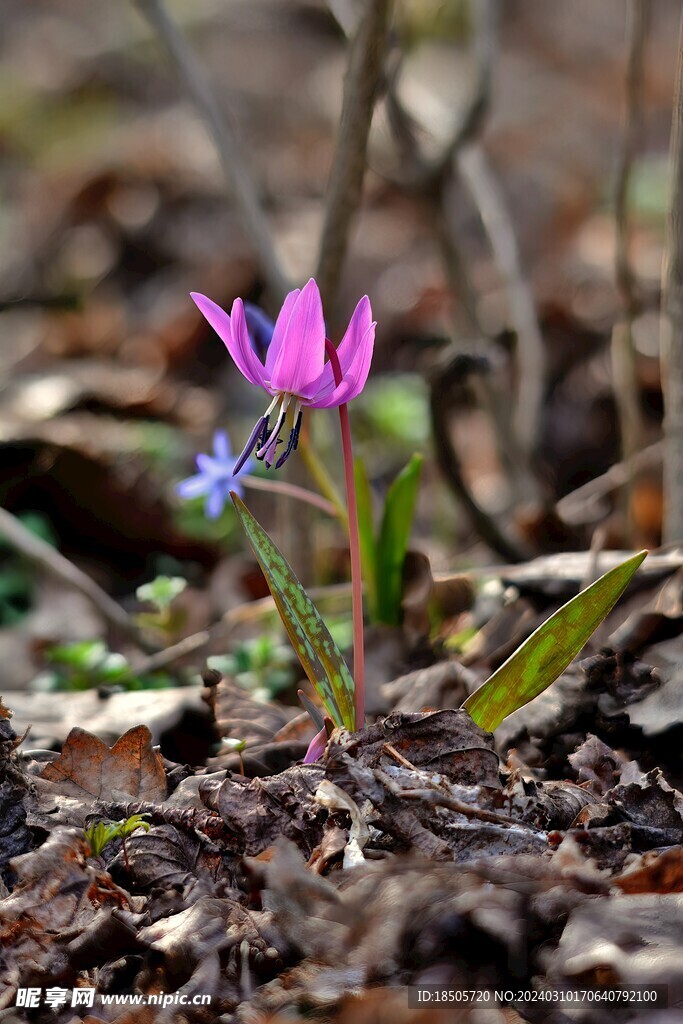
x=672, y=336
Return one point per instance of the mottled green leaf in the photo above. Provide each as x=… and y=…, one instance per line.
x=366, y=531
x=550, y=649
x=317, y=651
x=394, y=537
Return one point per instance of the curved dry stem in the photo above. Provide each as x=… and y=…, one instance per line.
x=54, y=563
x=292, y=491
x=363, y=78
x=225, y=139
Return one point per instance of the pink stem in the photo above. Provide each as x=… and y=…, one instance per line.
x=354, y=549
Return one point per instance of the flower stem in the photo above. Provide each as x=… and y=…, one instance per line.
x=322, y=478
x=257, y=483
x=354, y=549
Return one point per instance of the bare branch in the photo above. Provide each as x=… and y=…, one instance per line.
x=672, y=331
x=578, y=506
x=636, y=30
x=337, y=596
x=225, y=139
x=363, y=77
x=480, y=180
x=416, y=171
x=442, y=383
x=54, y=563
x=623, y=350
x=435, y=181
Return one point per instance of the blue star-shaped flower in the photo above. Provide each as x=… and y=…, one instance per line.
x=215, y=478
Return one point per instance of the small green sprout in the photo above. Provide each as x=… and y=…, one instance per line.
x=101, y=833
x=232, y=744
x=88, y=664
x=166, y=621
x=162, y=591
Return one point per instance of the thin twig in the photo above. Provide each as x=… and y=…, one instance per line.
x=598, y=541
x=442, y=382
x=623, y=350
x=54, y=563
x=636, y=31
x=434, y=180
x=417, y=172
x=225, y=139
x=573, y=507
x=437, y=799
x=475, y=170
x=345, y=187
x=458, y=277
x=288, y=490
x=162, y=659
x=672, y=340
x=244, y=614
x=398, y=758
x=496, y=402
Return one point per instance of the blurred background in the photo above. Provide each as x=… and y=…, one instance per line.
x=510, y=237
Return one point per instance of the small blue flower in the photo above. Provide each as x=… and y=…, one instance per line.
x=215, y=478
x=260, y=328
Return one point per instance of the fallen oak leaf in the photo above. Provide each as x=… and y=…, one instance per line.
x=57, y=895
x=654, y=872
x=87, y=767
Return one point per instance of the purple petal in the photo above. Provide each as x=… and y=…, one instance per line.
x=279, y=330
x=245, y=360
x=193, y=486
x=215, y=502
x=354, y=379
x=316, y=747
x=301, y=358
x=221, y=445
x=240, y=337
x=359, y=323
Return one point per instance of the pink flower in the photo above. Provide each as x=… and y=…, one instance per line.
x=295, y=374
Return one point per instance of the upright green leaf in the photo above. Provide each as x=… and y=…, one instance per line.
x=366, y=530
x=394, y=537
x=310, y=637
x=548, y=651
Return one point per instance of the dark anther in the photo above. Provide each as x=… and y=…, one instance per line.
x=255, y=440
x=292, y=443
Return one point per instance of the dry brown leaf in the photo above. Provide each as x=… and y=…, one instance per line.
x=87, y=767
x=4, y=711
x=57, y=895
x=655, y=873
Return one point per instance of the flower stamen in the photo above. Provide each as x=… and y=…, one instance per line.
x=254, y=438
x=293, y=441
x=266, y=452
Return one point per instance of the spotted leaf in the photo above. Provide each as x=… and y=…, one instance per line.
x=321, y=659
x=548, y=651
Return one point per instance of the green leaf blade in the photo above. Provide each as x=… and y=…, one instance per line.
x=366, y=531
x=319, y=655
x=394, y=537
x=550, y=649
